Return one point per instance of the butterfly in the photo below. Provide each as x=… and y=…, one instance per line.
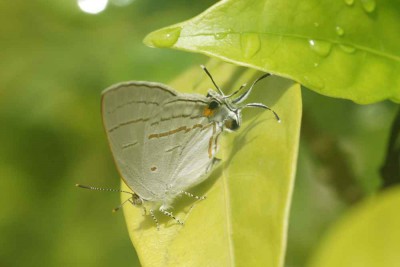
x=164, y=142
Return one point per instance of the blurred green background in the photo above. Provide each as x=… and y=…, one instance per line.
x=55, y=61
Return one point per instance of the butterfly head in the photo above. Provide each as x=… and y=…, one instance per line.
x=227, y=109
x=222, y=110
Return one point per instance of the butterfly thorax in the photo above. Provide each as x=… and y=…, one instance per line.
x=221, y=110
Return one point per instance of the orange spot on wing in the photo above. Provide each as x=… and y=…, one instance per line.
x=208, y=112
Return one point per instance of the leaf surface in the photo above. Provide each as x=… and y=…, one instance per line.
x=244, y=219
x=347, y=49
x=368, y=236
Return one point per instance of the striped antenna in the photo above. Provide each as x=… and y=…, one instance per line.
x=120, y=206
x=209, y=75
x=260, y=105
x=102, y=189
x=237, y=91
x=244, y=96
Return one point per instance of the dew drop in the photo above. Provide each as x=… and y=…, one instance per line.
x=316, y=64
x=368, y=5
x=347, y=48
x=349, y=2
x=316, y=24
x=314, y=82
x=250, y=43
x=322, y=48
x=339, y=31
x=220, y=35
x=163, y=38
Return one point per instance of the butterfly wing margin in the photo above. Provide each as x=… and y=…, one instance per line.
x=126, y=110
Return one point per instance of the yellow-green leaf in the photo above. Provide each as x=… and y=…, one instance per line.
x=369, y=236
x=345, y=48
x=244, y=219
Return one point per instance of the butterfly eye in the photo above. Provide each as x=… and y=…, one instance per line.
x=213, y=105
x=232, y=124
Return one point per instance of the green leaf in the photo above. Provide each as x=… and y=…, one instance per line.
x=244, y=219
x=368, y=236
x=347, y=49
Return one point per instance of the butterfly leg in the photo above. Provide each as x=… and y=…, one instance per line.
x=169, y=214
x=134, y=204
x=213, y=164
x=193, y=196
x=154, y=219
x=144, y=211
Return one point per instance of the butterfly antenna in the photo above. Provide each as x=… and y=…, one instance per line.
x=259, y=105
x=120, y=206
x=102, y=189
x=244, y=96
x=209, y=75
x=237, y=91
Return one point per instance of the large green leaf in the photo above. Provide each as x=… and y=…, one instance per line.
x=369, y=236
x=347, y=49
x=244, y=219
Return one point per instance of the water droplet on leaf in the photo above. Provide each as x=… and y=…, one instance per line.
x=250, y=43
x=220, y=35
x=339, y=31
x=163, y=38
x=368, y=5
x=349, y=2
x=347, y=48
x=322, y=48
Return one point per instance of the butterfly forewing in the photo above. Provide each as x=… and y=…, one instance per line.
x=126, y=109
x=160, y=140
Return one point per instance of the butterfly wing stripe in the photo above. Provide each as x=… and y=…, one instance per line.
x=133, y=102
x=182, y=128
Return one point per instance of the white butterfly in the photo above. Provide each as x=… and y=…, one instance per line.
x=164, y=142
